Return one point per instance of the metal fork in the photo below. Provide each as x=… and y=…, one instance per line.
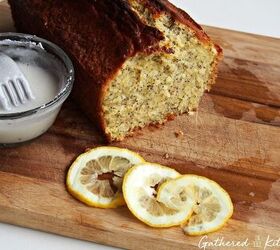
x=14, y=87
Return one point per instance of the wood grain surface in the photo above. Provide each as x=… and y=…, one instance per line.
x=233, y=139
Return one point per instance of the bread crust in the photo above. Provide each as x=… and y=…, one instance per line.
x=99, y=36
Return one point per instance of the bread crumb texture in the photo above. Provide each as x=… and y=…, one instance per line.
x=149, y=88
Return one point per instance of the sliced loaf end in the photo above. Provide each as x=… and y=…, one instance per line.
x=171, y=81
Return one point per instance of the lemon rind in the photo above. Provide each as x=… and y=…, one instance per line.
x=128, y=173
x=117, y=201
x=227, y=196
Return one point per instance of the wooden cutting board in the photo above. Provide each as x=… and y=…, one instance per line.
x=234, y=139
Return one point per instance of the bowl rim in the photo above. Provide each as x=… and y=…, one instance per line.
x=58, y=52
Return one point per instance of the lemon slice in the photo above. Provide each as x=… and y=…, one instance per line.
x=213, y=206
x=96, y=176
x=140, y=190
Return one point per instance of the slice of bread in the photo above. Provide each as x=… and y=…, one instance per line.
x=138, y=62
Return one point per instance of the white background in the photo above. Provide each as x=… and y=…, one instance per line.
x=254, y=16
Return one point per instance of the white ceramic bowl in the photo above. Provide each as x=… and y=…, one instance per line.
x=24, y=126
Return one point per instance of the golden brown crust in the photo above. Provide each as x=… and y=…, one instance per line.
x=215, y=69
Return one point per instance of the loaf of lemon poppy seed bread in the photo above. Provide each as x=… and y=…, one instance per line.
x=137, y=62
